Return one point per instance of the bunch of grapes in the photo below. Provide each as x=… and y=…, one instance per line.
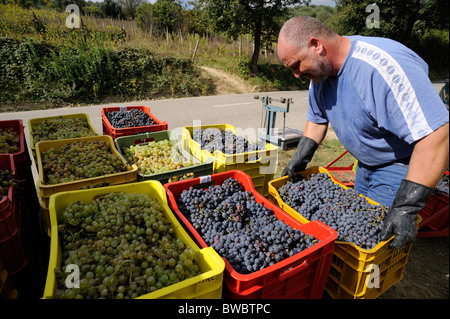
x=245, y=232
x=225, y=141
x=123, y=246
x=352, y=216
x=6, y=180
x=80, y=160
x=156, y=157
x=61, y=128
x=129, y=118
x=9, y=141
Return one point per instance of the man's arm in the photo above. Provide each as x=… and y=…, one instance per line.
x=430, y=158
x=315, y=131
x=426, y=167
x=308, y=144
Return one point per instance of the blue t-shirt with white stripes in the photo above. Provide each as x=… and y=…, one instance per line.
x=380, y=102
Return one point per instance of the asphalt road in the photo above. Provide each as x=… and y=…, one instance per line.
x=239, y=110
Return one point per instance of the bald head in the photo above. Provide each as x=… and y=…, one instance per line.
x=297, y=31
x=311, y=49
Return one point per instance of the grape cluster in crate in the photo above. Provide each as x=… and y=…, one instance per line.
x=351, y=215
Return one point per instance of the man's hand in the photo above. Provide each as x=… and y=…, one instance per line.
x=305, y=151
x=411, y=198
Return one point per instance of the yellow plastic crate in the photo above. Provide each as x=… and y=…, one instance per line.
x=261, y=170
x=207, y=285
x=355, y=273
x=46, y=190
x=32, y=123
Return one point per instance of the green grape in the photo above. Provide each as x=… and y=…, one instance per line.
x=156, y=157
x=121, y=259
x=6, y=180
x=80, y=160
x=61, y=128
x=9, y=141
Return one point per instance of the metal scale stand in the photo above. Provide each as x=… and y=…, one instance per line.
x=271, y=134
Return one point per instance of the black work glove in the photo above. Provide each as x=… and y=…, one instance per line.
x=305, y=150
x=411, y=198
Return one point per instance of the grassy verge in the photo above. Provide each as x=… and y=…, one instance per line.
x=329, y=150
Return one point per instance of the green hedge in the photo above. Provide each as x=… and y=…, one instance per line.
x=33, y=70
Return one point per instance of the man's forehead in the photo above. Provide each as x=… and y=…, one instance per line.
x=289, y=54
x=284, y=49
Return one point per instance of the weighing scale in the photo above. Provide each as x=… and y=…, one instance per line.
x=271, y=134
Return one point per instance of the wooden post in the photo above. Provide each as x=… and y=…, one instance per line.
x=240, y=45
x=195, y=50
x=265, y=50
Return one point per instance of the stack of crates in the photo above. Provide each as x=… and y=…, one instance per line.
x=46, y=189
x=12, y=251
x=26, y=242
x=35, y=122
x=207, y=285
x=87, y=130
x=353, y=269
x=109, y=129
x=260, y=165
x=435, y=215
x=21, y=158
x=197, y=168
x=302, y=275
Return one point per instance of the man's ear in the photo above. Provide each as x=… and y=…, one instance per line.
x=316, y=44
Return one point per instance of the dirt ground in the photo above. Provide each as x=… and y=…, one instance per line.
x=426, y=273
x=226, y=83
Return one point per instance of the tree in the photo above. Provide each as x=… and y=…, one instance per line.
x=62, y=4
x=196, y=19
x=260, y=18
x=26, y=3
x=398, y=19
x=144, y=17
x=167, y=15
x=322, y=13
x=421, y=25
x=110, y=9
x=129, y=7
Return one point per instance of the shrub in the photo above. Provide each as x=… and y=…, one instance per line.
x=87, y=71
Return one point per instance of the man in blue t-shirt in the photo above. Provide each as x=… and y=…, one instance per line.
x=377, y=96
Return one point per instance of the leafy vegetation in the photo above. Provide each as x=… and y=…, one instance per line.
x=89, y=70
x=421, y=25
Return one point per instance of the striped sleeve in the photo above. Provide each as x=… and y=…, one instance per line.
x=399, y=85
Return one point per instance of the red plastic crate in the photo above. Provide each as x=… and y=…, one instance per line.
x=12, y=253
x=108, y=129
x=435, y=216
x=8, y=218
x=22, y=160
x=302, y=275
